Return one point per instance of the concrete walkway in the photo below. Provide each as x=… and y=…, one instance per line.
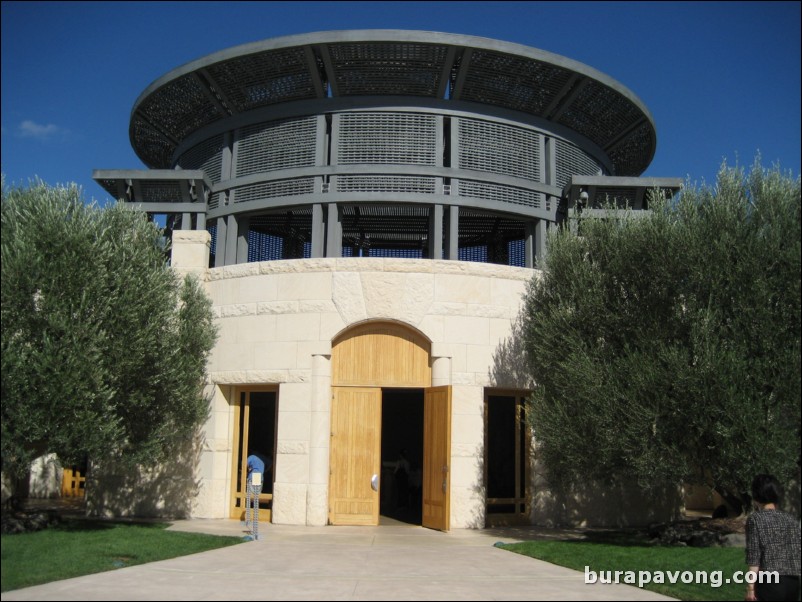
x=393, y=562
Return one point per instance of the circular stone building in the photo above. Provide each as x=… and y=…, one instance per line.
x=365, y=209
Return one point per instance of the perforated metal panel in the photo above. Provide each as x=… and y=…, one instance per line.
x=618, y=197
x=381, y=183
x=573, y=161
x=208, y=156
x=499, y=148
x=475, y=253
x=627, y=156
x=397, y=253
x=391, y=64
x=600, y=113
x=285, y=144
x=211, y=228
x=274, y=189
x=510, y=81
x=490, y=238
x=281, y=234
x=152, y=145
x=501, y=193
x=387, y=138
x=215, y=199
x=264, y=78
x=111, y=187
x=160, y=191
x=264, y=247
x=408, y=69
x=180, y=107
x=516, y=251
x=273, y=97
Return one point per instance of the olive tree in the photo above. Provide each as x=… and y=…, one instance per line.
x=666, y=348
x=104, y=348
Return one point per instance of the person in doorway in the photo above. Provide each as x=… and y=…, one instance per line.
x=402, y=479
x=257, y=464
x=772, y=544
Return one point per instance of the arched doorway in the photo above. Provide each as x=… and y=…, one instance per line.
x=367, y=360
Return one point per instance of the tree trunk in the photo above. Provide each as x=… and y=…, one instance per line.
x=738, y=502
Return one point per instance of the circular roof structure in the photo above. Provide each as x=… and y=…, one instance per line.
x=448, y=68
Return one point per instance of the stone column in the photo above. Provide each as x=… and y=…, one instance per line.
x=441, y=365
x=190, y=252
x=317, y=501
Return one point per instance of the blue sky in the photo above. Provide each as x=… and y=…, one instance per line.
x=722, y=80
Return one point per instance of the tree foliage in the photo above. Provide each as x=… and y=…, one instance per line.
x=666, y=348
x=103, y=347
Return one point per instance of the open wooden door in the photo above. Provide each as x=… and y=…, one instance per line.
x=437, y=458
x=355, y=456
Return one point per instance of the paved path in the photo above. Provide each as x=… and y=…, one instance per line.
x=398, y=562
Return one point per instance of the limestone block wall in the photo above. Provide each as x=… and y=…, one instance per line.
x=276, y=322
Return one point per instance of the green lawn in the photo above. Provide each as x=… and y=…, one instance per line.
x=627, y=553
x=81, y=547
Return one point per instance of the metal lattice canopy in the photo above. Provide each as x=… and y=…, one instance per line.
x=447, y=68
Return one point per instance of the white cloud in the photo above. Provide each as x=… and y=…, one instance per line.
x=31, y=129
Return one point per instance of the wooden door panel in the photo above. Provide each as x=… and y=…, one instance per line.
x=355, y=455
x=437, y=458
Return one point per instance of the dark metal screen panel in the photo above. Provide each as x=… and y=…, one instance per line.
x=286, y=144
x=160, y=191
x=152, y=145
x=600, y=113
x=282, y=234
x=214, y=200
x=499, y=148
x=618, y=197
x=516, y=251
x=208, y=156
x=265, y=78
x=368, y=68
x=211, y=228
x=180, y=107
x=384, y=183
x=627, y=156
x=477, y=253
x=511, y=81
x=397, y=253
x=274, y=189
x=573, y=161
x=501, y=193
x=387, y=138
x=491, y=238
x=264, y=247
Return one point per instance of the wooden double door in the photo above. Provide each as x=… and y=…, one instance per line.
x=355, y=481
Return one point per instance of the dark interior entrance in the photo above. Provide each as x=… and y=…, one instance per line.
x=402, y=430
x=255, y=434
x=506, y=465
